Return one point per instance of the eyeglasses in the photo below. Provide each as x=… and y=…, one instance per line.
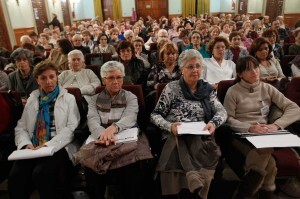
x=261, y=49
x=220, y=47
x=111, y=78
x=21, y=59
x=271, y=36
x=196, y=37
x=192, y=67
x=76, y=59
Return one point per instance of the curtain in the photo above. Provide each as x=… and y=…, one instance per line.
x=98, y=10
x=203, y=7
x=117, y=10
x=188, y=7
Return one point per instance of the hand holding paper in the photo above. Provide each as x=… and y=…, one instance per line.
x=194, y=128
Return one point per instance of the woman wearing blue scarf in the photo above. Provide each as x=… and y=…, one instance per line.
x=187, y=162
x=49, y=120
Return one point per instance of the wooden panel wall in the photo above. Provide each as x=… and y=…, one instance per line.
x=243, y=7
x=291, y=19
x=154, y=8
x=22, y=31
x=40, y=14
x=4, y=37
x=254, y=15
x=66, y=12
x=274, y=8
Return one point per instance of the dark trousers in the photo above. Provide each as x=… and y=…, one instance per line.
x=128, y=179
x=39, y=173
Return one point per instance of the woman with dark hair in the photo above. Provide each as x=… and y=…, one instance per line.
x=196, y=39
x=22, y=79
x=135, y=70
x=248, y=104
x=235, y=51
x=104, y=47
x=270, y=69
x=49, y=119
x=272, y=36
x=60, y=55
x=184, y=40
x=217, y=68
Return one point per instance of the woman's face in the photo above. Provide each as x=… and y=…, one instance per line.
x=251, y=74
x=186, y=39
x=170, y=57
x=103, y=41
x=138, y=46
x=114, y=36
x=22, y=63
x=195, y=39
x=129, y=38
x=219, y=50
x=113, y=81
x=76, y=63
x=272, y=38
x=191, y=71
x=236, y=41
x=47, y=80
x=263, y=52
x=126, y=54
x=226, y=28
x=215, y=32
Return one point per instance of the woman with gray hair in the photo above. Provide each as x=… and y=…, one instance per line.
x=78, y=76
x=22, y=79
x=110, y=112
x=188, y=161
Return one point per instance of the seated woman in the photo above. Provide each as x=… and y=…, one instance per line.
x=78, y=76
x=167, y=69
x=270, y=69
x=135, y=70
x=188, y=161
x=248, y=105
x=271, y=36
x=235, y=51
x=138, y=44
x=296, y=66
x=112, y=111
x=216, y=69
x=22, y=79
x=104, y=47
x=196, y=39
x=60, y=55
x=49, y=120
x=294, y=49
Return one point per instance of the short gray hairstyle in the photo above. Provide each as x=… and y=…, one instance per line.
x=187, y=55
x=112, y=66
x=25, y=38
x=21, y=51
x=127, y=33
x=75, y=52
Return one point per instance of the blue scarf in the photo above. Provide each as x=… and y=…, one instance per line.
x=42, y=132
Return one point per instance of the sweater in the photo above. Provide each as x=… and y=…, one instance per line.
x=244, y=106
x=273, y=70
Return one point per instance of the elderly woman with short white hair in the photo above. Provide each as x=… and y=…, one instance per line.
x=187, y=162
x=78, y=76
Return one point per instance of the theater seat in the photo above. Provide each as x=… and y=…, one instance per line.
x=95, y=69
x=97, y=58
x=292, y=90
x=285, y=64
x=222, y=89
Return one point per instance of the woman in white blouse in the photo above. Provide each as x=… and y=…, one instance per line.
x=78, y=76
x=216, y=68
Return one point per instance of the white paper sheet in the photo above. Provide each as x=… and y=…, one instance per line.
x=280, y=140
x=128, y=135
x=31, y=154
x=194, y=128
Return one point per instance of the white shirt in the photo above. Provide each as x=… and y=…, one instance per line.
x=214, y=73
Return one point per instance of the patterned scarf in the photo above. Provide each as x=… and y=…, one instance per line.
x=42, y=132
x=105, y=103
x=202, y=94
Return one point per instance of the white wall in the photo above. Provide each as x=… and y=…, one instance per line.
x=127, y=6
x=21, y=16
x=292, y=6
x=175, y=7
x=255, y=6
x=215, y=5
x=226, y=6
x=84, y=9
x=54, y=8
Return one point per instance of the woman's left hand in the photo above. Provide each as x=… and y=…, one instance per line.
x=210, y=127
x=108, y=136
x=272, y=127
x=38, y=147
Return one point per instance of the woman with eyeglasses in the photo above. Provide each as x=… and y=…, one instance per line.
x=196, y=38
x=187, y=162
x=270, y=69
x=110, y=112
x=78, y=76
x=217, y=68
x=271, y=36
x=135, y=71
x=22, y=79
x=104, y=47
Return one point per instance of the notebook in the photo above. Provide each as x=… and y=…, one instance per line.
x=31, y=154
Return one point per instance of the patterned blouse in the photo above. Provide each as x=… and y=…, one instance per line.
x=173, y=107
x=160, y=74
